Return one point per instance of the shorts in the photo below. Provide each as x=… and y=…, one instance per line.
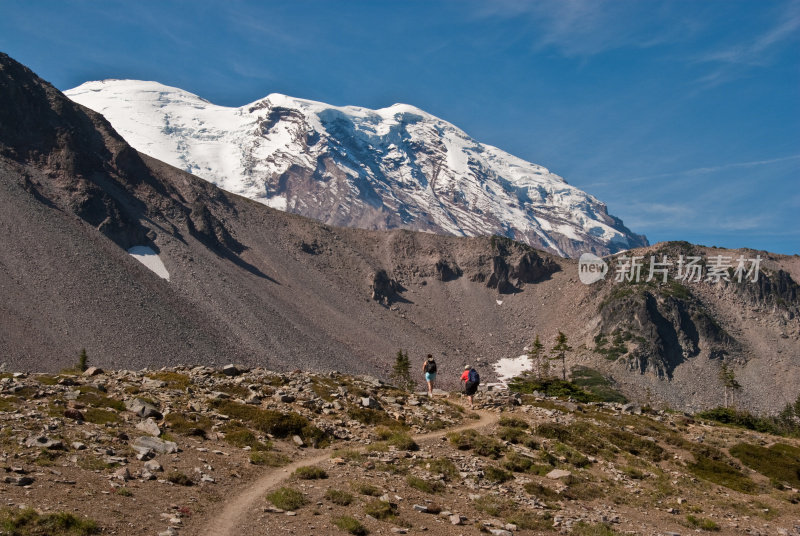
x=430, y=376
x=470, y=388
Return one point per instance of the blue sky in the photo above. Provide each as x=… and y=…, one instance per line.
x=683, y=116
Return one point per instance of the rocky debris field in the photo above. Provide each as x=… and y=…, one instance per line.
x=174, y=451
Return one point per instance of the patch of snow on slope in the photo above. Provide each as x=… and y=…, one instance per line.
x=150, y=259
x=509, y=367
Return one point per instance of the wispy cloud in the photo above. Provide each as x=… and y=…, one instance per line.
x=701, y=214
x=731, y=61
x=583, y=28
x=694, y=171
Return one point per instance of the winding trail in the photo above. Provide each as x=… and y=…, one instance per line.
x=227, y=520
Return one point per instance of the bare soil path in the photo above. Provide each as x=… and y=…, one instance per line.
x=233, y=512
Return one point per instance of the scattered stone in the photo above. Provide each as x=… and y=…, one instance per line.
x=92, y=371
x=500, y=532
x=145, y=443
x=149, y=426
x=19, y=480
x=298, y=441
x=153, y=466
x=77, y=445
x=122, y=474
x=274, y=510
x=151, y=384
x=455, y=519
x=369, y=402
x=557, y=474
x=74, y=414
x=630, y=407
x=142, y=408
x=421, y=508
x=231, y=370
x=44, y=442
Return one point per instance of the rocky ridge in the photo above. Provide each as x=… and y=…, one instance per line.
x=161, y=452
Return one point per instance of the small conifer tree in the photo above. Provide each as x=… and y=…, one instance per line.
x=560, y=352
x=83, y=361
x=401, y=374
x=537, y=357
x=729, y=383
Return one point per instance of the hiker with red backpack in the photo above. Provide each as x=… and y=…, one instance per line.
x=471, y=379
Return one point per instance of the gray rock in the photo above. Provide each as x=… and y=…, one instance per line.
x=122, y=474
x=153, y=466
x=77, y=445
x=500, y=532
x=556, y=474
x=142, y=409
x=421, y=508
x=231, y=370
x=298, y=441
x=42, y=441
x=455, y=519
x=149, y=426
x=150, y=383
x=273, y=510
x=632, y=408
x=146, y=443
x=369, y=402
x=18, y=480
x=92, y=371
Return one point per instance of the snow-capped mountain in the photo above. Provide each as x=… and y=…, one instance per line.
x=396, y=167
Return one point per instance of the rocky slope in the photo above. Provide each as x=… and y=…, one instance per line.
x=175, y=451
x=397, y=167
x=243, y=282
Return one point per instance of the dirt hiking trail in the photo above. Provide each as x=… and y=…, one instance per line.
x=230, y=515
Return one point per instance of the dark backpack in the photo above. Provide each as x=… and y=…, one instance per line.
x=430, y=367
x=474, y=377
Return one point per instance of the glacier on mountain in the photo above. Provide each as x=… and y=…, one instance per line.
x=396, y=167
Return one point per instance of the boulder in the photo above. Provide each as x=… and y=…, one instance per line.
x=144, y=444
x=149, y=426
x=44, y=442
x=369, y=402
x=142, y=408
x=153, y=466
x=557, y=474
x=74, y=414
x=231, y=370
